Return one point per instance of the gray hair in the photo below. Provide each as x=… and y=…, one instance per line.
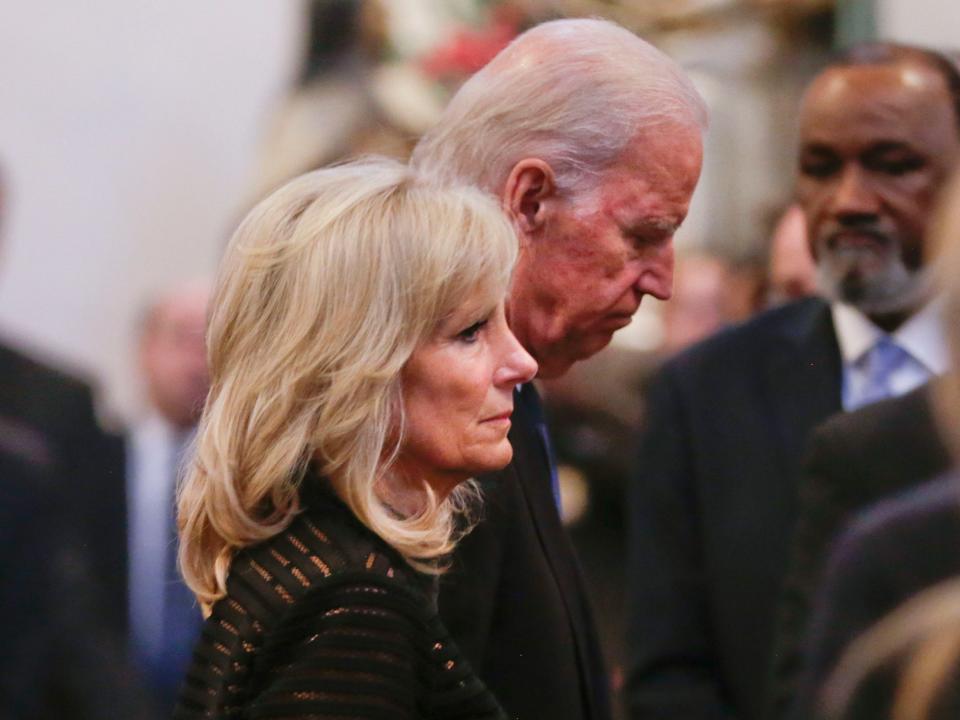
x=570, y=92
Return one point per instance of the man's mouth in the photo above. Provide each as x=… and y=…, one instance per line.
x=857, y=240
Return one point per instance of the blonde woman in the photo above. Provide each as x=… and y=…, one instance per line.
x=362, y=370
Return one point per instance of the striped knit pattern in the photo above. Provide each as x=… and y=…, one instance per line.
x=326, y=622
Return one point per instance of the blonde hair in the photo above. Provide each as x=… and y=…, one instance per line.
x=945, y=245
x=326, y=289
x=571, y=92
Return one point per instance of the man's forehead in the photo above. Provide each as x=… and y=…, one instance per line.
x=859, y=106
x=894, y=86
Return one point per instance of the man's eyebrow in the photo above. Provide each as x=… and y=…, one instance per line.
x=656, y=225
x=885, y=146
x=816, y=148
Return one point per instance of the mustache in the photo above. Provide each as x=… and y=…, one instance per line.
x=831, y=236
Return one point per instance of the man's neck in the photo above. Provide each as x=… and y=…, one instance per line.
x=889, y=322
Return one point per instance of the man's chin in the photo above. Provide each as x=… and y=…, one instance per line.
x=897, y=291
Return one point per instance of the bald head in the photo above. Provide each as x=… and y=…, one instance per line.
x=173, y=354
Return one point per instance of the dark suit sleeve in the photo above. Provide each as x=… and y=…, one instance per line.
x=672, y=670
x=889, y=553
x=821, y=516
x=60, y=658
x=856, y=593
x=468, y=592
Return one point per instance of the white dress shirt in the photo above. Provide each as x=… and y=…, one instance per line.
x=921, y=336
x=153, y=449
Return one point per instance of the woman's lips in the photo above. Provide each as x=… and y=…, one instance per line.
x=503, y=418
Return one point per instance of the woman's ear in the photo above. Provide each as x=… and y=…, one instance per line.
x=530, y=184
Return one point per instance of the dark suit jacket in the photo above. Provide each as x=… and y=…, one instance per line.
x=891, y=552
x=713, y=506
x=853, y=460
x=514, y=599
x=47, y=419
x=61, y=657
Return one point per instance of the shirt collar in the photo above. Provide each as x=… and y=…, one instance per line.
x=921, y=335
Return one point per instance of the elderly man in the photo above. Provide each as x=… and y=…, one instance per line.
x=715, y=501
x=591, y=138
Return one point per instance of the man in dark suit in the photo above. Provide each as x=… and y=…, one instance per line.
x=714, y=503
x=46, y=416
x=889, y=554
x=62, y=655
x=595, y=199
x=853, y=460
x=47, y=419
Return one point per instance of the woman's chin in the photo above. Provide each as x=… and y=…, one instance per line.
x=496, y=458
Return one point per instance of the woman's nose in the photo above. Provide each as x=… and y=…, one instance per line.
x=517, y=366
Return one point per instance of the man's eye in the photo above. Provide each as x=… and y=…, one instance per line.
x=819, y=168
x=471, y=333
x=899, y=165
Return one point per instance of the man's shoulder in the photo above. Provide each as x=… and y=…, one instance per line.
x=28, y=370
x=886, y=417
x=919, y=514
x=891, y=444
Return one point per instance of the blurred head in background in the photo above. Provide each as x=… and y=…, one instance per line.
x=172, y=353
x=879, y=136
x=791, y=273
x=699, y=304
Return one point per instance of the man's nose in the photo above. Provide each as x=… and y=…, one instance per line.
x=854, y=201
x=656, y=272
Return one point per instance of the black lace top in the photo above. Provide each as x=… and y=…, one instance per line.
x=326, y=622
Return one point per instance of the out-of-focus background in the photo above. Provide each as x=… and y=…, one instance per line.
x=135, y=134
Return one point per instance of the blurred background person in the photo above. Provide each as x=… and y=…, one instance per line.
x=886, y=634
x=714, y=501
x=362, y=370
x=137, y=544
x=791, y=272
x=64, y=656
x=697, y=307
x=47, y=418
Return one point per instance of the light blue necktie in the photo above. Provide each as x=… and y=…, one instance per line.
x=883, y=360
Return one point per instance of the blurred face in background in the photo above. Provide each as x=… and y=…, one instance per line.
x=791, y=273
x=173, y=355
x=698, y=307
x=877, y=143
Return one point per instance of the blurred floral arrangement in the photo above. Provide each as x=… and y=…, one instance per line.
x=377, y=74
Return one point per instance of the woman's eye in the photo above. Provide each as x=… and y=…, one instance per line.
x=471, y=333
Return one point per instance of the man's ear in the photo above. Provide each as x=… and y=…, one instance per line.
x=529, y=185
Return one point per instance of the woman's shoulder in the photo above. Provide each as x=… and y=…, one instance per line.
x=321, y=573
x=321, y=548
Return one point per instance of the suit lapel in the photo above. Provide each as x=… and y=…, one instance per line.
x=533, y=471
x=803, y=378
